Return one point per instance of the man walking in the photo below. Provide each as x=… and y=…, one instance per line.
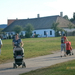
x=0, y=45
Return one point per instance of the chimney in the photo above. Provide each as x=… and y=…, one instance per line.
x=38, y=16
x=16, y=18
x=61, y=14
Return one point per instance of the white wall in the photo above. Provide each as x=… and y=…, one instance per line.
x=41, y=32
x=69, y=30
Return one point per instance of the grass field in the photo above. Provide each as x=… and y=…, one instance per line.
x=33, y=47
x=66, y=68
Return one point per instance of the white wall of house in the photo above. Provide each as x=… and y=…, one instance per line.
x=44, y=32
x=69, y=30
x=41, y=33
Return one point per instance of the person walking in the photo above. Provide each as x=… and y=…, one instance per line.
x=17, y=42
x=0, y=45
x=69, y=48
x=63, y=45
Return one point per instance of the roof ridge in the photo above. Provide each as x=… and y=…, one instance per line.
x=40, y=17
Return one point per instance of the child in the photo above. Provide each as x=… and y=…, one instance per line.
x=68, y=48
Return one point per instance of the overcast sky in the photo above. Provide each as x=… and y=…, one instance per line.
x=23, y=9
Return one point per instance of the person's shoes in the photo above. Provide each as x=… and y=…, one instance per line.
x=61, y=56
x=72, y=53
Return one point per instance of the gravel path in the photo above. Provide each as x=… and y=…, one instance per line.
x=34, y=63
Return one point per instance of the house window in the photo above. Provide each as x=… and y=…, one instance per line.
x=44, y=32
x=50, y=32
x=34, y=32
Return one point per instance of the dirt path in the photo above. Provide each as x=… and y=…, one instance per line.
x=34, y=63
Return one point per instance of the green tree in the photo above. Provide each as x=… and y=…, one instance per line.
x=66, y=17
x=72, y=19
x=74, y=33
x=61, y=30
x=29, y=28
x=74, y=15
x=17, y=29
x=55, y=27
x=70, y=26
x=1, y=30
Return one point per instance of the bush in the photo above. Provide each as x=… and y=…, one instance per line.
x=9, y=37
x=74, y=33
x=36, y=35
x=28, y=35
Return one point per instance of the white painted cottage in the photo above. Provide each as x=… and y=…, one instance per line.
x=42, y=25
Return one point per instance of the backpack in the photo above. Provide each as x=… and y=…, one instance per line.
x=62, y=40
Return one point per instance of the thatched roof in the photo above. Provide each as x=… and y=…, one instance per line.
x=39, y=23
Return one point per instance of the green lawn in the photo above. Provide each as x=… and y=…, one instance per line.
x=33, y=47
x=66, y=68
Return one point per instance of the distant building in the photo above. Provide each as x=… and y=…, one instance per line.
x=3, y=26
x=42, y=25
x=9, y=21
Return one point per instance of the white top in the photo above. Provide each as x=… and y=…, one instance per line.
x=0, y=41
